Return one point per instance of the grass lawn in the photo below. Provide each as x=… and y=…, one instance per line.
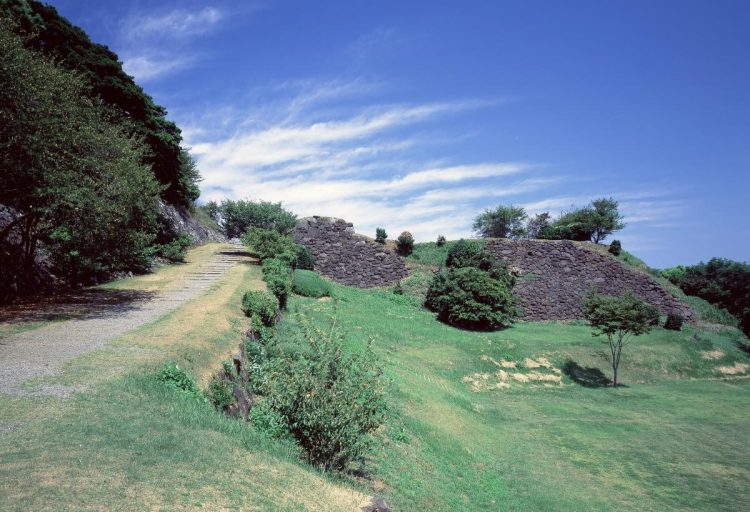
x=463, y=437
x=510, y=420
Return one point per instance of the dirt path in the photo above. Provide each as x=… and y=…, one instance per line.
x=42, y=352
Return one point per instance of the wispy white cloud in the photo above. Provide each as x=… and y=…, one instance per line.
x=173, y=24
x=157, y=43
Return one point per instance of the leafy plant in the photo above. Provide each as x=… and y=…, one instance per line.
x=262, y=305
x=269, y=243
x=471, y=298
x=178, y=379
x=405, y=243
x=615, y=248
x=305, y=260
x=440, y=241
x=268, y=421
x=380, y=235
x=619, y=319
x=674, y=322
x=278, y=277
x=332, y=400
x=176, y=250
x=220, y=392
x=309, y=284
x=502, y=222
x=236, y=217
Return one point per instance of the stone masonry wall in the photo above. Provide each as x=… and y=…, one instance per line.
x=346, y=257
x=555, y=276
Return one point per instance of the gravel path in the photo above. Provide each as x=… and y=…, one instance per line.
x=41, y=352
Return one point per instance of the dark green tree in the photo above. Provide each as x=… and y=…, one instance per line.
x=502, y=222
x=76, y=181
x=380, y=235
x=537, y=224
x=237, y=216
x=619, y=319
x=45, y=31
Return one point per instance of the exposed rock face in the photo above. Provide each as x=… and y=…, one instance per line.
x=348, y=258
x=180, y=222
x=555, y=276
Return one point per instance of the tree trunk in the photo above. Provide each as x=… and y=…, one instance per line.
x=614, y=376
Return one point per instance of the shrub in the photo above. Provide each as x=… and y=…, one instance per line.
x=278, y=277
x=502, y=222
x=440, y=241
x=471, y=298
x=262, y=305
x=236, y=217
x=380, y=235
x=674, y=322
x=176, y=250
x=176, y=378
x=268, y=421
x=268, y=243
x=405, y=243
x=615, y=247
x=220, y=392
x=331, y=400
x=309, y=284
x=305, y=260
x=471, y=254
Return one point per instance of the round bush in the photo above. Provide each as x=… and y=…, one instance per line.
x=309, y=284
x=615, y=247
x=674, y=322
x=471, y=298
x=261, y=304
x=465, y=253
x=380, y=235
x=440, y=240
x=305, y=260
x=405, y=243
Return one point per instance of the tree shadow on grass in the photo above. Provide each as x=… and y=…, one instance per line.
x=74, y=304
x=587, y=377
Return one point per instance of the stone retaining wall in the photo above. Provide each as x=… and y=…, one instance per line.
x=346, y=257
x=555, y=276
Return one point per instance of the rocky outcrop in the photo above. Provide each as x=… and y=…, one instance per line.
x=346, y=257
x=178, y=221
x=555, y=276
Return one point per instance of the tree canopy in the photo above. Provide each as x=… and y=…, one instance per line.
x=76, y=182
x=505, y=221
x=593, y=222
x=45, y=31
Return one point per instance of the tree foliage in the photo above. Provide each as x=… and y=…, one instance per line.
x=48, y=33
x=619, y=319
x=77, y=181
x=502, y=222
x=236, y=217
x=594, y=222
x=721, y=281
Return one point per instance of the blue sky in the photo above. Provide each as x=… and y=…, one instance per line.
x=418, y=115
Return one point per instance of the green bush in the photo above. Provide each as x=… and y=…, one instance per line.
x=278, y=277
x=238, y=216
x=176, y=250
x=309, y=284
x=268, y=421
x=262, y=305
x=471, y=254
x=471, y=298
x=405, y=243
x=305, y=260
x=380, y=235
x=269, y=243
x=615, y=247
x=440, y=241
x=674, y=322
x=220, y=392
x=331, y=400
x=178, y=379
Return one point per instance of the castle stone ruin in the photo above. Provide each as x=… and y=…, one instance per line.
x=346, y=257
x=554, y=276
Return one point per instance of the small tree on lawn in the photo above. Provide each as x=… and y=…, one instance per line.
x=619, y=319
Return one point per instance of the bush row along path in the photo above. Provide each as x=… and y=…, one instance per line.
x=42, y=352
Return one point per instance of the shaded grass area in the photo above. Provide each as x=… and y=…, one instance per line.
x=673, y=439
x=130, y=443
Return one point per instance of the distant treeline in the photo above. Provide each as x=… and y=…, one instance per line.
x=723, y=282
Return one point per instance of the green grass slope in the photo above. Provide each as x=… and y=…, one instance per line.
x=464, y=436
